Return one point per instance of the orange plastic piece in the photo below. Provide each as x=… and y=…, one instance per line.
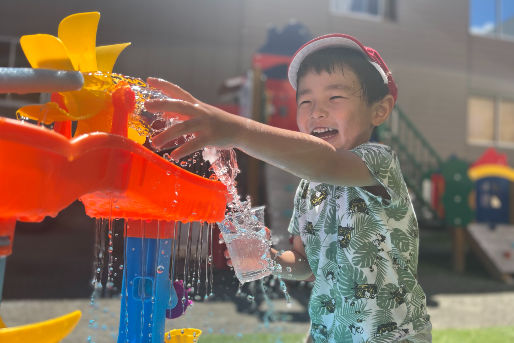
x=43, y=172
x=7, y=232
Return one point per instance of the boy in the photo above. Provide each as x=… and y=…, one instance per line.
x=354, y=229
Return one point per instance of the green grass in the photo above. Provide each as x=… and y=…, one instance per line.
x=253, y=338
x=488, y=335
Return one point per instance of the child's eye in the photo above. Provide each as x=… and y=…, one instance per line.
x=337, y=97
x=304, y=102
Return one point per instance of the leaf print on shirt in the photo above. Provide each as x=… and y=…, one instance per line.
x=365, y=255
x=349, y=277
x=366, y=229
x=406, y=278
x=391, y=296
x=331, y=220
x=395, y=180
x=398, y=210
x=378, y=161
x=322, y=304
x=341, y=334
x=331, y=252
x=400, y=240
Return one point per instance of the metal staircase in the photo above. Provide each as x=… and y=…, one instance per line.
x=418, y=161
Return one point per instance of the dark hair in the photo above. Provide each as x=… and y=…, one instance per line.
x=330, y=59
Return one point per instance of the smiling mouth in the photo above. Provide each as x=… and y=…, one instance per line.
x=324, y=133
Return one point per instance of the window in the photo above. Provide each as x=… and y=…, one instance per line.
x=373, y=9
x=493, y=18
x=491, y=121
x=11, y=55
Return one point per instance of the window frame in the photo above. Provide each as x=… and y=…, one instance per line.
x=496, y=142
x=7, y=100
x=498, y=34
x=381, y=16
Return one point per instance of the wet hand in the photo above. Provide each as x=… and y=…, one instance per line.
x=209, y=125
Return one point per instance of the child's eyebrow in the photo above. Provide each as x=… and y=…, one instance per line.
x=303, y=92
x=335, y=86
x=339, y=86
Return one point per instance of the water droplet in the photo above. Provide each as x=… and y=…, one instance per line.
x=160, y=269
x=121, y=267
x=289, y=269
x=250, y=298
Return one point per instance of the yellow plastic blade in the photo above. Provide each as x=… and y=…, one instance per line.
x=49, y=331
x=46, y=113
x=45, y=51
x=107, y=55
x=2, y=324
x=100, y=122
x=136, y=136
x=86, y=103
x=78, y=33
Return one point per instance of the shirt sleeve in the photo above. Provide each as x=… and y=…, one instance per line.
x=384, y=167
x=294, y=227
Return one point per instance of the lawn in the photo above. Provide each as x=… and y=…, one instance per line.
x=489, y=335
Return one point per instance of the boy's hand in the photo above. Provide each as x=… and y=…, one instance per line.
x=210, y=125
x=225, y=252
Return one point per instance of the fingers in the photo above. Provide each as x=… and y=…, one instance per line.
x=188, y=148
x=170, y=89
x=177, y=130
x=171, y=106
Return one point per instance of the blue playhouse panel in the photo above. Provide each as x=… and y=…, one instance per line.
x=493, y=200
x=145, y=290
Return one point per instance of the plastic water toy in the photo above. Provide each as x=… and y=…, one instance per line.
x=49, y=331
x=182, y=336
x=105, y=166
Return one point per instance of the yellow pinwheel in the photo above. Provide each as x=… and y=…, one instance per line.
x=75, y=49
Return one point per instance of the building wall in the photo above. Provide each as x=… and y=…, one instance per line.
x=199, y=43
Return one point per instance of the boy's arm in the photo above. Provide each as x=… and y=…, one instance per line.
x=298, y=153
x=293, y=262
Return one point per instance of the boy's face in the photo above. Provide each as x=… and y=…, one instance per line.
x=331, y=107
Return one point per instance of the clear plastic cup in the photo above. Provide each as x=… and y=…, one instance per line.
x=244, y=234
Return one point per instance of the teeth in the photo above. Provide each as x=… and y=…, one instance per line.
x=321, y=130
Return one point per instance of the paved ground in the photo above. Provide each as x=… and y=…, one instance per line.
x=49, y=275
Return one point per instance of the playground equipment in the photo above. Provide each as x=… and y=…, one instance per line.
x=106, y=167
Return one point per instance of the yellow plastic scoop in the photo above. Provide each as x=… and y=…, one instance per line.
x=49, y=331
